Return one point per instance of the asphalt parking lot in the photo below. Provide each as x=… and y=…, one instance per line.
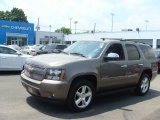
x=17, y=104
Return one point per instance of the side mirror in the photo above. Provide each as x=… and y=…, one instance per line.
x=111, y=57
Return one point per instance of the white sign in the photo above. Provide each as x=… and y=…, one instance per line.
x=17, y=27
x=20, y=28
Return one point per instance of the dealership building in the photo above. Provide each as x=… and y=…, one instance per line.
x=21, y=34
x=18, y=33
x=44, y=37
x=150, y=37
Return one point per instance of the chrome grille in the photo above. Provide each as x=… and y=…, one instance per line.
x=34, y=72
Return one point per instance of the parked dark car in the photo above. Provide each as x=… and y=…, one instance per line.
x=52, y=48
x=157, y=53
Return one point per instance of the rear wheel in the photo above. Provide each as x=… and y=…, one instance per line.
x=143, y=85
x=81, y=95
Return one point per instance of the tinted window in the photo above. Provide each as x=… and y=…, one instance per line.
x=132, y=51
x=118, y=49
x=61, y=47
x=147, y=51
x=50, y=46
x=5, y=50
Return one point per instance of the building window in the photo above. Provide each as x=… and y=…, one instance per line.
x=158, y=43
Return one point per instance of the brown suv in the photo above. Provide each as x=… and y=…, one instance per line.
x=87, y=67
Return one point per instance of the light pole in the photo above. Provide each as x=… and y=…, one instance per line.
x=112, y=14
x=70, y=19
x=146, y=21
x=50, y=27
x=75, y=22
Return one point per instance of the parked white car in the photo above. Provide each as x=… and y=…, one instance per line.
x=11, y=59
x=29, y=50
x=15, y=47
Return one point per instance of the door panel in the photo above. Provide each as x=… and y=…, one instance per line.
x=135, y=63
x=134, y=70
x=113, y=74
x=114, y=68
x=10, y=61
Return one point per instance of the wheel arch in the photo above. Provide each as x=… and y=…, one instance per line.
x=90, y=77
x=148, y=72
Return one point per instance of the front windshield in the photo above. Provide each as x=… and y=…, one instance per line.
x=90, y=49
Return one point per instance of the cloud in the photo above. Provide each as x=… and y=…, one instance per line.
x=128, y=13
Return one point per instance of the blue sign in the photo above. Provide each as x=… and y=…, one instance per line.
x=12, y=29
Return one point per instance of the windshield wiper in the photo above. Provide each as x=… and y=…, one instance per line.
x=79, y=54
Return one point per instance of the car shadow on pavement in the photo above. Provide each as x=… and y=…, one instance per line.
x=7, y=73
x=103, y=103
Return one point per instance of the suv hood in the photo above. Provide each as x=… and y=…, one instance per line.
x=50, y=60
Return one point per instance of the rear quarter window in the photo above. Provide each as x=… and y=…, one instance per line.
x=147, y=51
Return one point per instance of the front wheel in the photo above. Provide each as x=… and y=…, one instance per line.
x=81, y=95
x=143, y=85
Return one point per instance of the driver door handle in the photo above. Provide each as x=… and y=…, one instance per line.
x=124, y=66
x=140, y=64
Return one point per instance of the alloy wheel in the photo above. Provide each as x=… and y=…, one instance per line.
x=83, y=96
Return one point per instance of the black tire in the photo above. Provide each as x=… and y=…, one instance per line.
x=77, y=93
x=143, y=85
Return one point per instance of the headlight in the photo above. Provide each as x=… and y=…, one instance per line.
x=55, y=74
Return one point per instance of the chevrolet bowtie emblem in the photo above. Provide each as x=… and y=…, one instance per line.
x=5, y=26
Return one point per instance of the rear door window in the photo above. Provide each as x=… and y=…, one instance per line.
x=132, y=51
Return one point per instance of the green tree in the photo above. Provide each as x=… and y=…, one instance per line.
x=14, y=15
x=63, y=30
x=7, y=15
x=2, y=15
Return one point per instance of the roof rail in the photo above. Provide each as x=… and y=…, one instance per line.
x=111, y=39
x=133, y=41
x=121, y=39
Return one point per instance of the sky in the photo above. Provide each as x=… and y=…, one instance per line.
x=128, y=14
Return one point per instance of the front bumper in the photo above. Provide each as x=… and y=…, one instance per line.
x=56, y=90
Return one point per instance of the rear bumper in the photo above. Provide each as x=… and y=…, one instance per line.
x=54, y=90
